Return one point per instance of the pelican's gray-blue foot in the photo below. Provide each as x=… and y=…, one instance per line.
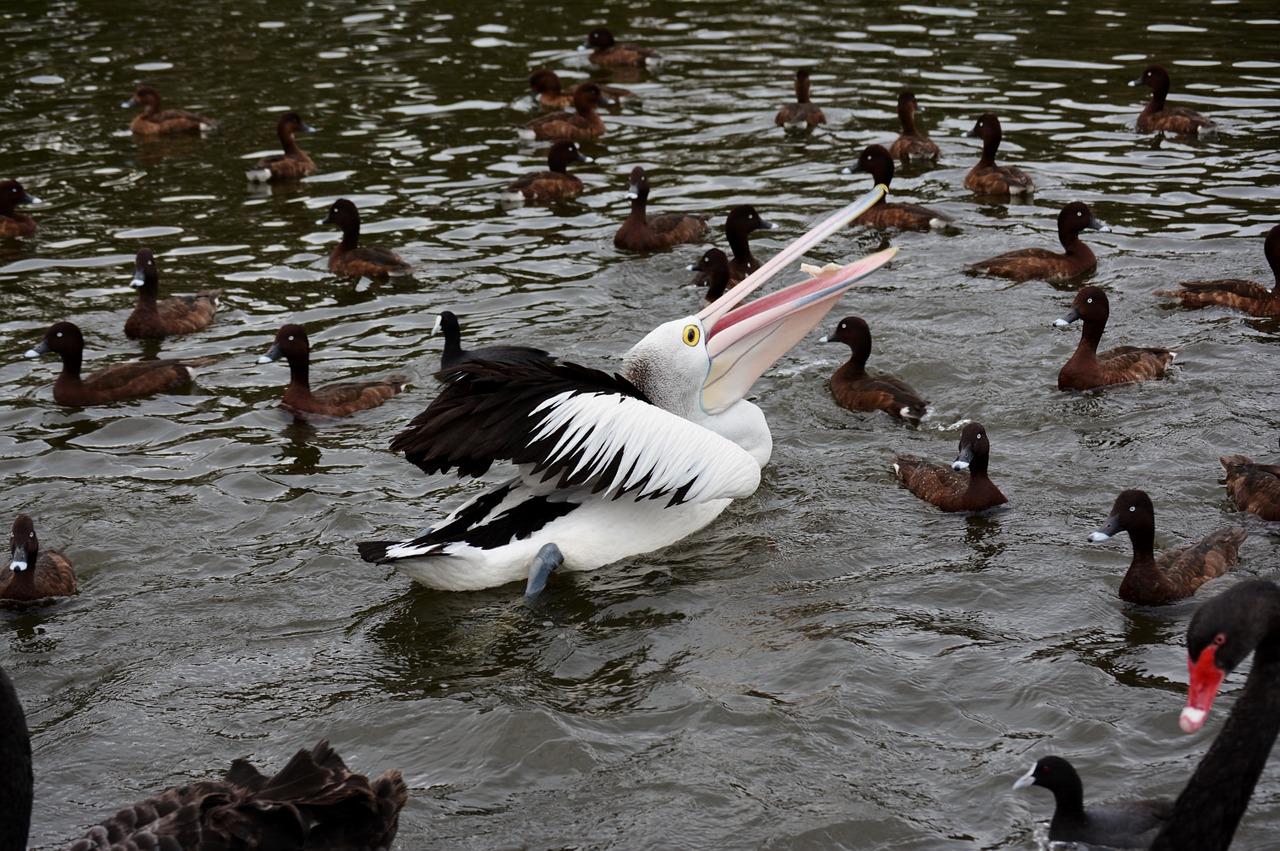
x=547, y=560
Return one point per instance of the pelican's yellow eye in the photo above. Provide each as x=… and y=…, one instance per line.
x=692, y=334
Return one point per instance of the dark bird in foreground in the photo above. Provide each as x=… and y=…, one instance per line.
x=1225, y=629
x=1119, y=824
x=315, y=802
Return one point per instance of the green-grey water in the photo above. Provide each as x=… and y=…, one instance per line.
x=832, y=663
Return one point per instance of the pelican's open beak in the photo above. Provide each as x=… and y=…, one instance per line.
x=744, y=341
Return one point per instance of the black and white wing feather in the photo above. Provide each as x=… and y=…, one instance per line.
x=584, y=426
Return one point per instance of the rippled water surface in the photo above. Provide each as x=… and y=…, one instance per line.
x=832, y=663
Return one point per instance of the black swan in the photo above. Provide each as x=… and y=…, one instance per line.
x=1225, y=629
x=1241, y=620
x=313, y=802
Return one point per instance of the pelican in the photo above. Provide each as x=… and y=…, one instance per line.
x=612, y=466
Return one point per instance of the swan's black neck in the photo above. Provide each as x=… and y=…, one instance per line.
x=16, y=781
x=1210, y=807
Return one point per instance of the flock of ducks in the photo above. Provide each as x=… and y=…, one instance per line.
x=300, y=802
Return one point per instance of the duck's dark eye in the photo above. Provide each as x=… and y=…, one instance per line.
x=1133, y=508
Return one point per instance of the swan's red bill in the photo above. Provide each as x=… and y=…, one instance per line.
x=1206, y=677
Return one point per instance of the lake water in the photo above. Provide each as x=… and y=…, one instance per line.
x=832, y=663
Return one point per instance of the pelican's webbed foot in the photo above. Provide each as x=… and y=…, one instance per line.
x=547, y=560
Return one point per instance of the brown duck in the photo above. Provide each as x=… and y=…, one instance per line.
x=1178, y=572
x=34, y=577
x=1088, y=368
x=114, y=383
x=153, y=319
x=943, y=487
x=1249, y=296
x=333, y=400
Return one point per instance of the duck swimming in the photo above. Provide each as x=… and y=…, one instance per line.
x=114, y=383
x=35, y=576
x=912, y=145
x=940, y=486
x=987, y=178
x=1156, y=116
x=1041, y=264
x=605, y=50
x=154, y=121
x=877, y=162
x=547, y=90
x=332, y=400
x=13, y=223
x=348, y=257
x=581, y=125
x=1253, y=487
x=855, y=390
x=643, y=232
x=153, y=319
x=803, y=114
x=553, y=184
x=611, y=465
x=1178, y=571
x=713, y=270
x=294, y=163
x=1253, y=298
x=738, y=225
x=1088, y=368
